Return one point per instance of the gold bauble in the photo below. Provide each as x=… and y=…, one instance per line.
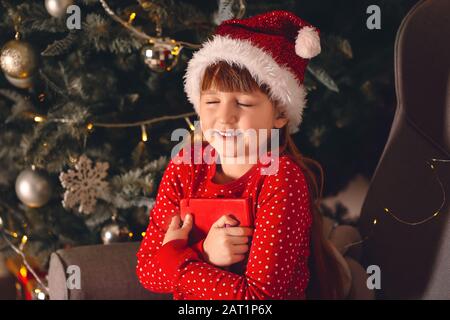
x=18, y=59
x=24, y=83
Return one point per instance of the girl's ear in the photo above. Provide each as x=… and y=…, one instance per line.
x=280, y=122
x=280, y=118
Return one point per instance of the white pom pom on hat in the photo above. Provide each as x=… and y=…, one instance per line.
x=307, y=44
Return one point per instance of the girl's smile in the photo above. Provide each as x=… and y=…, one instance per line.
x=227, y=117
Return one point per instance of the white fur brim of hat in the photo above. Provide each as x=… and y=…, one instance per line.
x=283, y=85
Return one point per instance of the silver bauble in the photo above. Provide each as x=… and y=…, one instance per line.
x=160, y=57
x=33, y=188
x=57, y=8
x=18, y=59
x=114, y=232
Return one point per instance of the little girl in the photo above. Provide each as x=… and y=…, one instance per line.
x=249, y=76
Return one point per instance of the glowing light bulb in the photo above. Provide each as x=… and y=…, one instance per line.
x=144, y=133
x=132, y=17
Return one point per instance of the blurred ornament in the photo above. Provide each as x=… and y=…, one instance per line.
x=37, y=293
x=57, y=8
x=346, y=48
x=316, y=136
x=33, y=188
x=84, y=184
x=115, y=231
x=229, y=9
x=27, y=287
x=162, y=55
x=18, y=59
x=321, y=75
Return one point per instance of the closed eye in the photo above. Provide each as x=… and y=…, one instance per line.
x=241, y=104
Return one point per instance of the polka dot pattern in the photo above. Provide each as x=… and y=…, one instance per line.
x=277, y=266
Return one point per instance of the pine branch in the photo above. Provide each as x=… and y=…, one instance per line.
x=61, y=46
x=101, y=35
x=102, y=214
x=21, y=104
x=224, y=12
x=35, y=18
x=132, y=188
x=52, y=85
x=323, y=77
x=11, y=157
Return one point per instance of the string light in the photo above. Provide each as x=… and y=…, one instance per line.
x=12, y=234
x=436, y=213
x=23, y=242
x=39, y=119
x=40, y=295
x=144, y=133
x=23, y=271
x=411, y=223
x=143, y=234
x=132, y=17
x=191, y=126
x=140, y=33
x=26, y=267
x=91, y=125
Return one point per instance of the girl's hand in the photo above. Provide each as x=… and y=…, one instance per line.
x=176, y=231
x=225, y=246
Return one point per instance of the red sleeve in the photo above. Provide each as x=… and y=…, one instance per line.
x=170, y=191
x=279, y=249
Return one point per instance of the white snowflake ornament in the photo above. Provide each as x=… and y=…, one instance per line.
x=84, y=184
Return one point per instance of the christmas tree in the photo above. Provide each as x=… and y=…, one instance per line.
x=91, y=90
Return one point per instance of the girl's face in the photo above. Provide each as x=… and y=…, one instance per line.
x=237, y=111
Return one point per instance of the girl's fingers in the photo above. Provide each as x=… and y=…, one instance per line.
x=240, y=248
x=223, y=220
x=238, y=240
x=175, y=222
x=187, y=223
x=239, y=231
x=237, y=258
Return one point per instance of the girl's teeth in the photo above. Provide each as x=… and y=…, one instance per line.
x=227, y=134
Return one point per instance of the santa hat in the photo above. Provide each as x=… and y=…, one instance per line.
x=275, y=47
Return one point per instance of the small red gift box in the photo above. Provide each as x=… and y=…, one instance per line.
x=207, y=211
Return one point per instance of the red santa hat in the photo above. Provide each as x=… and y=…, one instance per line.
x=275, y=47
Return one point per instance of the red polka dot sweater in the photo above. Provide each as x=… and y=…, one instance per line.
x=277, y=266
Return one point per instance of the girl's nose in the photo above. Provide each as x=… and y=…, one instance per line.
x=226, y=113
